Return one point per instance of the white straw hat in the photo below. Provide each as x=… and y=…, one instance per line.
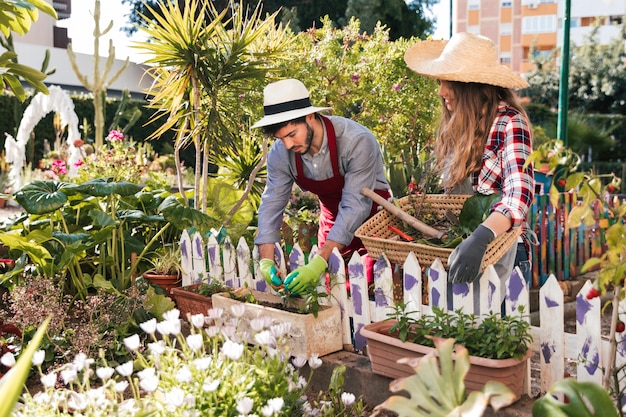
x=466, y=57
x=285, y=100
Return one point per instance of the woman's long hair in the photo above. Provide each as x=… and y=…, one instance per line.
x=462, y=134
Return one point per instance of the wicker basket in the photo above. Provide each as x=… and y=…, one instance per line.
x=377, y=238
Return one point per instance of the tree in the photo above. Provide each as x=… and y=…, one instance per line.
x=597, y=77
x=18, y=17
x=404, y=19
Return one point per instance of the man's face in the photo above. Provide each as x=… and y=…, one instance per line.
x=296, y=137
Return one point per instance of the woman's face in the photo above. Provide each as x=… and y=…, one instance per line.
x=447, y=94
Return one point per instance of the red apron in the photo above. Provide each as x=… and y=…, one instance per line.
x=329, y=193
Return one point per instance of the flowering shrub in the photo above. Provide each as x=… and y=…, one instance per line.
x=102, y=320
x=119, y=159
x=211, y=371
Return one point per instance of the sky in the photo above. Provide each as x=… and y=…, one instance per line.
x=81, y=24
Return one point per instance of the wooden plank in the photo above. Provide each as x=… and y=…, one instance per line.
x=552, y=359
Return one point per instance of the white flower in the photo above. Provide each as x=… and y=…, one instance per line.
x=105, y=373
x=184, y=375
x=165, y=327
x=172, y=315
x=82, y=361
x=280, y=330
x=132, y=342
x=157, y=347
x=194, y=341
x=77, y=401
x=121, y=386
x=267, y=411
x=244, y=405
x=315, y=362
x=146, y=373
x=49, y=380
x=232, y=350
x=175, y=397
x=257, y=324
x=197, y=320
x=228, y=331
x=8, y=360
x=276, y=404
x=203, y=363
x=149, y=326
x=125, y=369
x=347, y=399
x=69, y=375
x=298, y=362
x=176, y=326
x=149, y=383
x=215, y=313
x=265, y=338
x=212, y=331
x=210, y=385
x=238, y=310
x=38, y=357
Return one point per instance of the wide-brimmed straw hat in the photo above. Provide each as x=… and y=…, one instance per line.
x=286, y=100
x=466, y=57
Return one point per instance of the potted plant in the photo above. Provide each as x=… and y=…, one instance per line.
x=166, y=269
x=196, y=298
x=498, y=346
x=315, y=329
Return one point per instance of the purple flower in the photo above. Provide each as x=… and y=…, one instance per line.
x=355, y=77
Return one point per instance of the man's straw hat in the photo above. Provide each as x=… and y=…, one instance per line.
x=466, y=57
x=285, y=100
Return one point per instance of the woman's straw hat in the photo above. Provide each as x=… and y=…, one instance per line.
x=466, y=57
x=285, y=100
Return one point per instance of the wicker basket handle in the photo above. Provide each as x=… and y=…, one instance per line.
x=404, y=216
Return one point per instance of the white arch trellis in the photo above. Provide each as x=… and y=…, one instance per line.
x=59, y=101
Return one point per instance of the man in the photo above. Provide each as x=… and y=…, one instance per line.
x=330, y=156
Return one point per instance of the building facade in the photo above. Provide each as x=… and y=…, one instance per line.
x=521, y=26
x=46, y=34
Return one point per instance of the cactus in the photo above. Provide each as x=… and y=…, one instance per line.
x=98, y=86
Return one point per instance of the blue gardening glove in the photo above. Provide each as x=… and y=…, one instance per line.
x=270, y=273
x=306, y=277
x=467, y=259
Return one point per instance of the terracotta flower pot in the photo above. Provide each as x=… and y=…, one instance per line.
x=384, y=350
x=166, y=282
x=309, y=335
x=188, y=301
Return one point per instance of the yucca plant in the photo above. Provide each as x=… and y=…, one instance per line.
x=204, y=62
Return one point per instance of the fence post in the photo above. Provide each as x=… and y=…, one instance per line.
x=552, y=331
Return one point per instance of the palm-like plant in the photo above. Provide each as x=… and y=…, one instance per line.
x=203, y=68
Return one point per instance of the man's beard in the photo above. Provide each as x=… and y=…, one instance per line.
x=309, y=139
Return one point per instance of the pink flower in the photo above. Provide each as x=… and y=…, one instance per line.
x=396, y=87
x=355, y=78
x=115, y=136
x=59, y=167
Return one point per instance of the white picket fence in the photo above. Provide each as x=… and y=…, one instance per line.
x=236, y=266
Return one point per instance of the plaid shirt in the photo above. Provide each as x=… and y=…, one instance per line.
x=507, y=149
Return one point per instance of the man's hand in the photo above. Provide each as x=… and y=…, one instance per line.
x=270, y=273
x=467, y=259
x=306, y=277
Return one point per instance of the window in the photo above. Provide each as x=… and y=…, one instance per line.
x=507, y=4
x=539, y=24
x=473, y=4
x=506, y=29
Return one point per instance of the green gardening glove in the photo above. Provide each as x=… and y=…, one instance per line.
x=307, y=276
x=270, y=273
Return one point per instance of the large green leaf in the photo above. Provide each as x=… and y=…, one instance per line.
x=475, y=210
x=12, y=383
x=42, y=197
x=184, y=217
x=100, y=187
x=584, y=399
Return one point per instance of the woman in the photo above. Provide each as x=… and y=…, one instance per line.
x=483, y=142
